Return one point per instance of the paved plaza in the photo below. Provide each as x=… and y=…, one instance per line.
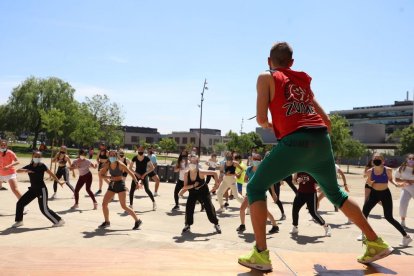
x=159, y=248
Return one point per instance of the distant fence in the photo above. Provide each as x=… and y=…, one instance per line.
x=390, y=161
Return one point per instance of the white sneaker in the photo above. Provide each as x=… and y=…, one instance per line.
x=60, y=223
x=403, y=223
x=220, y=210
x=360, y=237
x=294, y=230
x=349, y=221
x=406, y=240
x=154, y=206
x=17, y=224
x=328, y=231
x=156, y=194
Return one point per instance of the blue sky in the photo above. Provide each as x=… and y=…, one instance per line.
x=151, y=57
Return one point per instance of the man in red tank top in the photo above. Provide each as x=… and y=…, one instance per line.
x=301, y=126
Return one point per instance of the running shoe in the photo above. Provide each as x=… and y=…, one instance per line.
x=3, y=189
x=294, y=230
x=406, y=240
x=175, y=208
x=104, y=224
x=154, y=206
x=137, y=224
x=218, y=229
x=17, y=224
x=274, y=229
x=186, y=229
x=403, y=223
x=60, y=223
x=283, y=217
x=241, y=228
x=360, y=237
x=328, y=230
x=98, y=192
x=375, y=250
x=156, y=194
x=226, y=204
x=257, y=260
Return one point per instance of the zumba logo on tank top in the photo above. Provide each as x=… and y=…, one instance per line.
x=298, y=100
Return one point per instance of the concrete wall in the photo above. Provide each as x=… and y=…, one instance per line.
x=369, y=133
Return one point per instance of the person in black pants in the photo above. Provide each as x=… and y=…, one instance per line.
x=143, y=166
x=198, y=191
x=306, y=195
x=181, y=167
x=378, y=178
x=61, y=159
x=36, y=170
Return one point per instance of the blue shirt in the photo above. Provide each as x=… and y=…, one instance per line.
x=153, y=158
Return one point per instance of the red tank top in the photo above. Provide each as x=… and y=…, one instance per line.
x=292, y=106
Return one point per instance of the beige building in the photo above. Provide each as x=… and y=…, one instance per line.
x=209, y=137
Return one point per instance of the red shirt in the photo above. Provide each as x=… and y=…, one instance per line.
x=292, y=106
x=307, y=184
x=5, y=160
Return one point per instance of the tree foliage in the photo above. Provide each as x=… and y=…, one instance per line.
x=87, y=130
x=340, y=134
x=407, y=140
x=167, y=145
x=243, y=143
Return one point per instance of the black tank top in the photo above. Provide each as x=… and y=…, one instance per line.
x=102, y=154
x=115, y=172
x=229, y=169
x=198, y=179
x=62, y=160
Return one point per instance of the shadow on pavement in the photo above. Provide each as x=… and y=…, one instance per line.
x=19, y=230
x=252, y=272
x=306, y=239
x=247, y=237
x=193, y=237
x=104, y=232
x=399, y=251
x=69, y=211
x=369, y=269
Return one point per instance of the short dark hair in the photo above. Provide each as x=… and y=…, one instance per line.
x=281, y=54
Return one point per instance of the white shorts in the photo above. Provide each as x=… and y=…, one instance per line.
x=6, y=178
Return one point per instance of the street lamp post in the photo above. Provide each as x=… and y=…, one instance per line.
x=201, y=116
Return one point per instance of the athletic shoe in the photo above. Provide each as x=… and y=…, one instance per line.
x=218, y=229
x=283, y=217
x=360, y=237
x=294, y=230
x=186, y=229
x=406, y=240
x=60, y=223
x=257, y=260
x=154, y=206
x=74, y=207
x=175, y=208
x=98, y=192
x=241, y=228
x=375, y=250
x=403, y=223
x=349, y=222
x=274, y=229
x=104, y=225
x=137, y=224
x=226, y=204
x=156, y=194
x=220, y=210
x=328, y=230
x=3, y=189
x=17, y=224
x=53, y=196
x=231, y=197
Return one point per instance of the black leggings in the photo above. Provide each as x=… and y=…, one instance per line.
x=42, y=198
x=289, y=181
x=310, y=199
x=62, y=171
x=146, y=187
x=178, y=186
x=386, y=199
x=278, y=202
x=202, y=195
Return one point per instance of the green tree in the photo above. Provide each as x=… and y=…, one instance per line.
x=407, y=140
x=109, y=117
x=29, y=98
x=219, y=147
x=353, y=149
x=87, y=130
x=340, y=134
x=168, y=145
x=232, y=144
x=256, y=139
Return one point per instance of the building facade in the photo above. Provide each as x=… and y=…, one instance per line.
x=209, y=137
x=136, y=135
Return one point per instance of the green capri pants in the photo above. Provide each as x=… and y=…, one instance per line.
x=302, y=151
